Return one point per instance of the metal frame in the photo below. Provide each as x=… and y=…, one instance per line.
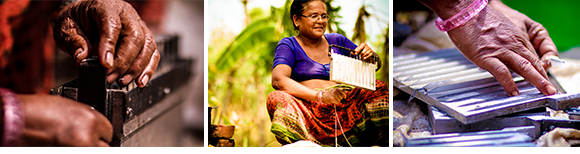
x=448, y=81
x=509, y=137
x=130, y=108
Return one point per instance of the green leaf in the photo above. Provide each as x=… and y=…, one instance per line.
x=226, y=120
x=248, y=39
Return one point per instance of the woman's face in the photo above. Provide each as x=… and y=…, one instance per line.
x=309, y=27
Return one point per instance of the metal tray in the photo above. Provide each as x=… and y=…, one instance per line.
x=448, y=81
x=509, y=137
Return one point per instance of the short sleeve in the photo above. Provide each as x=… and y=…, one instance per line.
x=341, y=40
x=347, y=43
x=284, y=53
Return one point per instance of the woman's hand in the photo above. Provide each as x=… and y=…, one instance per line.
x=492, y=42
x=333, y=96
x=365, y=52
x=537, y=34
x=58, y=121
x=113, y=31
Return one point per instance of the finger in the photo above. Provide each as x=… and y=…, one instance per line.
x=130, y=46
x=527, y=51
x=102, y=144
x=336, y=93
x=540, y=38
x=149, y=70
x=339, y=94
x=545, y=60
x=368, y=52
x=143, y=59
x=358, y=49
x=109, y=25
x=524, y=68
x=542, y=42
x=342, y=95
x=71, y=39
x=333, y=96
x=104, y=129
x=501, y=72
x=337, y=97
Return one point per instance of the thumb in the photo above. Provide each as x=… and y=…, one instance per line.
x=542, y=42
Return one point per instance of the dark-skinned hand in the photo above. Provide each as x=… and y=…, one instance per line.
x=113, y=31
x=366, y=53
x=333, y=96
x=57, y=121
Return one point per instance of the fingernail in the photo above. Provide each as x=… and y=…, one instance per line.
x=79, y=51
x=126, y=79
x=109, y=58
x=144, y=80
x=550, y=89
x=515, y=93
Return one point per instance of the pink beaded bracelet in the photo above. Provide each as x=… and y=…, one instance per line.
x=13, y=118
x=461, y=17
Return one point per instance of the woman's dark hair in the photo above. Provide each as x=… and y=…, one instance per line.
x=297, y=7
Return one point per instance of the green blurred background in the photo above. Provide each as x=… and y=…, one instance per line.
x=560, y=17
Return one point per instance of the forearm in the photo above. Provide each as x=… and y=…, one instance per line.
x=294, y=88
x=1, y=121
x=446, y=8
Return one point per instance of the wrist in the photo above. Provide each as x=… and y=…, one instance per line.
x=319, y=96
x=13, y=120
x=461, y=17
x=446, y=9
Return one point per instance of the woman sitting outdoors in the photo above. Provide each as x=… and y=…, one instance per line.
x=304, y=104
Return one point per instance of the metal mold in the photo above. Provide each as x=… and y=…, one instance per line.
x=448, y=81
x=509, y=137
x=131, y=109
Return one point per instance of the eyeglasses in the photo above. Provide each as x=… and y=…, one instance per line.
x=324, y=17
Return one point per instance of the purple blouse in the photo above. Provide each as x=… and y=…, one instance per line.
x=290, y=52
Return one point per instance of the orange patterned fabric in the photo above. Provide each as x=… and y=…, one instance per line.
x=26, y=45
x=363, y=116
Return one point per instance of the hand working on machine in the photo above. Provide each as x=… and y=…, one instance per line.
x=307, y=105
x=111, y=30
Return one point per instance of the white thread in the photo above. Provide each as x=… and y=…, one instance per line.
x=341, y=130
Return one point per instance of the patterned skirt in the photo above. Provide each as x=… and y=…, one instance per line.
x=363, y=116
